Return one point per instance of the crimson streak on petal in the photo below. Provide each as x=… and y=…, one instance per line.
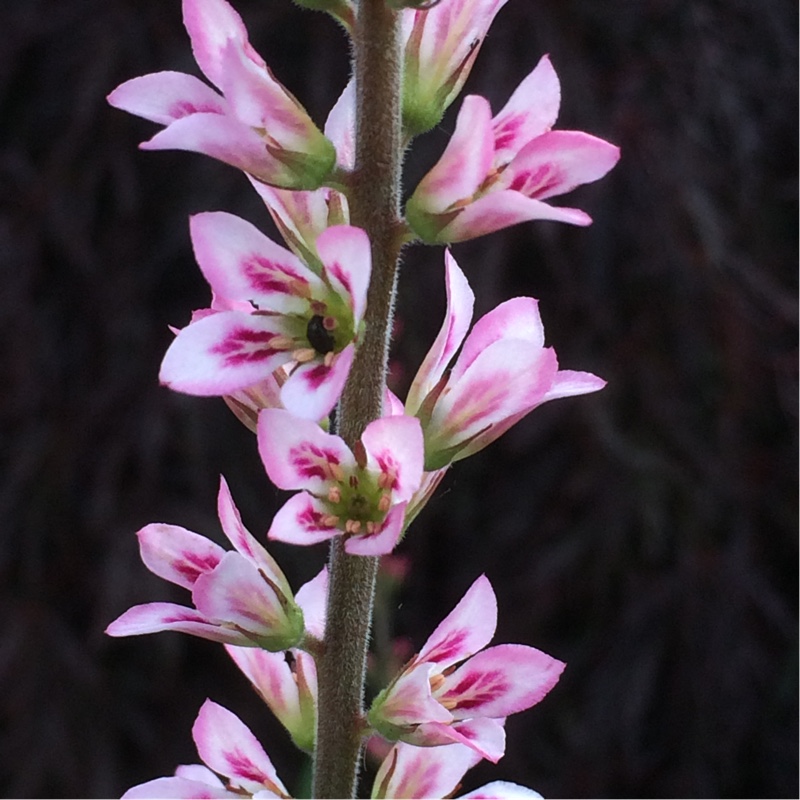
x=243, y=346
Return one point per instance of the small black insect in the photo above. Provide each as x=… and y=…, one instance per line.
x=319, y=337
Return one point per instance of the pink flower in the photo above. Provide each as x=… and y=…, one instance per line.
x=499, y=171
x=502, y=373
x=410, y=772
x=441, y=45
x=254, y=125
x=361, y=494
x=450, y=692
x=227, y=746
x=241, y=597
x=287, y=682
x=271, y=309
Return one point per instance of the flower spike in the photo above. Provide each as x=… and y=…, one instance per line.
x=255, y=124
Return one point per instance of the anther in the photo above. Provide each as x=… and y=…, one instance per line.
x=330, y=521
x=337, y=472
x=281, y=342
x=335, y=494
x=384, y=503
x=352, y=526
x=304, y=354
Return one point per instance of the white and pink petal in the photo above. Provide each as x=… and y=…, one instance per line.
x=517, y=318
x=465, y=630
x=499, y=681
x=261, y=102
x=157, y=617
x=314, y=388
x=347, y=260
x=312, y=598
x=242, y=264
x=226, y=139
x=500, y=790
x=228, y=746
x=395, y=451
x=569, y=383
x=465, y=163
x=177, y=555
x=422, y=772
x=340, y=126
x=503, y=208
x=298, y=454
x=509, y=376
x=409, y=700
x=303, y=520
x=224, y=353
x=164, y=97
x=211, y=24
x=460, y=303
x=557, y=162
x=530, y=111
x=244, y=541
x=237, y=595
x=484, y=735
x=273, y=679
x=177, y=788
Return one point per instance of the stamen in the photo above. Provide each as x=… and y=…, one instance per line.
x=304, y=354
x=281, y=342
x=385, y=503
x=436, y=681
x=371, y=527
x=337, y=472
x=352, y=526
x=330, y=521
x=335, y=494
x=299, y=288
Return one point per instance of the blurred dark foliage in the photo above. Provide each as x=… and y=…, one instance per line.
x=647, y=535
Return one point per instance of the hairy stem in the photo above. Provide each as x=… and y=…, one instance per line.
x=374, y=206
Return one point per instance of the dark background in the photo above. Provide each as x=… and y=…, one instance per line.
x=647, y=535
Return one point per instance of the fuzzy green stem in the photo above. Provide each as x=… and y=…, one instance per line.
x=374, y=206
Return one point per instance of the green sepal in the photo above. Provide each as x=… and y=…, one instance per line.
x=289, y=635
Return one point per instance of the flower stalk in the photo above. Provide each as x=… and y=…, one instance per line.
x=374, y=206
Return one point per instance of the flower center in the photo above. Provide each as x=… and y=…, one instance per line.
x=319, y=336
x=358, y=504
